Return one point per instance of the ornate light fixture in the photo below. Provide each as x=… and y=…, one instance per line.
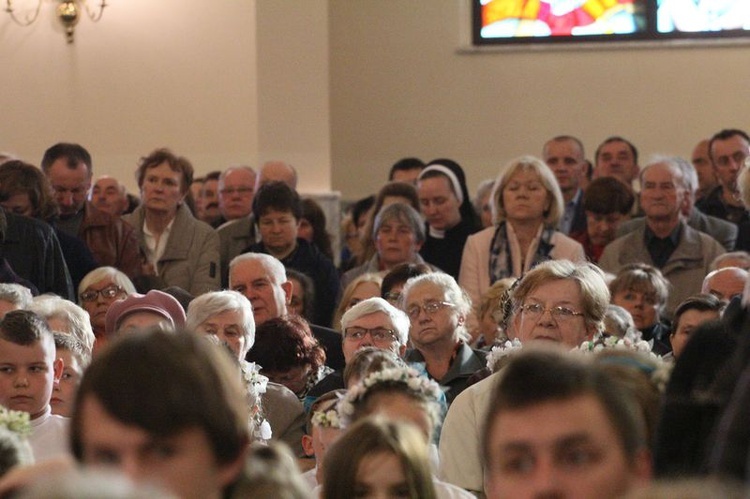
x=68, y=12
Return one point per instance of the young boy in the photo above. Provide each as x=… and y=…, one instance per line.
x=323, y=429
x=75, y=359
x=28, y=372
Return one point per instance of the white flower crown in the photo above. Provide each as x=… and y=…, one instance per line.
x=617, y=343
x=326, y=419
x=659, y=375
x=256, y=385
x=501, y=351
x=18, y=422
x=408, y=376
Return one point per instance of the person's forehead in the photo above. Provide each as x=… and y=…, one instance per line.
x=728, y=278
x=297, y=287
x=163, y=170
x=425, y=290
x=253, y=270
x=615, y=147
x=557, y=289
x=60, y=172
x=524, y=175
x=406, y=175
x=660, y=172
x=551, y=422
x=272, y=213
x=100, y=284
x=434, y=183
x=38, y=351
x=239, y=176
x=701, y=149
x=731, y=143
x=565, y=147
x=276, y=172
x=70, y=361
x=394, y=222
x=104, y=183
x=141, y=317
x=375, y=319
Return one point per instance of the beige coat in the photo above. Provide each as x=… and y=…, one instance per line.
x=191, y=257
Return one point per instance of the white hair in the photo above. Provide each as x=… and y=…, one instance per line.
x=376, y=304
x=213, y=303
x=273, y=265
x=77, y=319
x=116, y=276
x=16, y=294
x=452, y=291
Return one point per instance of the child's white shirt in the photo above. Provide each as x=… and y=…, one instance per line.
x=49, y=436
x=310, y=478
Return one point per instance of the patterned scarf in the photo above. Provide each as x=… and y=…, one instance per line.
x=501, y=264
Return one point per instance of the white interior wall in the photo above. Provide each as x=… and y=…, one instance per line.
x=176, y=73
x=400, y=87
x=342, y=88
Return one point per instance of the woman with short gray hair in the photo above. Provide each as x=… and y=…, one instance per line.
x=399, y=234
x=227, y=315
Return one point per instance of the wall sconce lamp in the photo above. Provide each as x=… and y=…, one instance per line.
x=68, y=12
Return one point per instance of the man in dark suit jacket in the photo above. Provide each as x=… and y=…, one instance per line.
x=564, y=155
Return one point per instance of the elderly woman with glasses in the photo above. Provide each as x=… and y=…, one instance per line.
x=438, y=308
x=98, y=290
x=558, y=302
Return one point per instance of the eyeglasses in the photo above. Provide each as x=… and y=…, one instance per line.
x=378, y=334
x=535, y=311
x=108, y=292
x=429, y=308
x=393, y=296
x=230, y=191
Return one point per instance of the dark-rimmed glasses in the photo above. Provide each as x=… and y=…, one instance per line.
x=109, y=292
x=378, y=334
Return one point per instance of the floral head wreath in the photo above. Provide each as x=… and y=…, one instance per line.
x=407, y=376
x=326, y=419
x=16, y=421
x=659, y=374
x=496, y=356
x=256, y=385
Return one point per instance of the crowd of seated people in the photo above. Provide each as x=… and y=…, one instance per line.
x=572, y=328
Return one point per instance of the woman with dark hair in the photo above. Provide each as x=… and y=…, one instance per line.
x=312, y=227
x=303, y=294
x=25, y=190
x=289, y=354
x=352, y=229
x=451, y=219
